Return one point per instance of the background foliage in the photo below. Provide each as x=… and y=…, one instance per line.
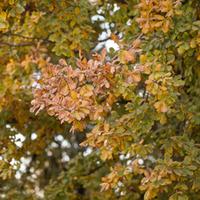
x=135, y=112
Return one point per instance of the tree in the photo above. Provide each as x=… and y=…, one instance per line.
x=134, y=111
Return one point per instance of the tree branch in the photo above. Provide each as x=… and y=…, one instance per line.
x=16, y=45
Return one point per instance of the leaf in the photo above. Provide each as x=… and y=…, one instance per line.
x=136, y=77
x=87, y=90
x=74, y=95
x=106, y=154
x=77, y=11
x=161, y=106
x=3, y=21
x=165, y=26
x=19, y=8
x=177, y=196
x=126, y=56
x=143, y=59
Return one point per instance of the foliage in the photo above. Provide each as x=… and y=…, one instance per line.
x=137, y=108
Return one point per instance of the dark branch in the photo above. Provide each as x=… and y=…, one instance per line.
x=17, y=45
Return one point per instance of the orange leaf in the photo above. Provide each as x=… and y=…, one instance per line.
x=161, y=106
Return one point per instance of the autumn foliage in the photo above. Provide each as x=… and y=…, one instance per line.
x=137, y=108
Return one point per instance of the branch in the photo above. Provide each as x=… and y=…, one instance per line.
x=18, y=35
x=23, y=44
x=10, y=34
x=104, y=40
x=17, y=45
x=93, y=170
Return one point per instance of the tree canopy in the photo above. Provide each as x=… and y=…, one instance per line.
x=82, y=121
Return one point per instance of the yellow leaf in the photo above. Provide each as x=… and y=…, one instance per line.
x=193, y=43
x=77, y=11
x=158, y=24
x=146, y=28
x=159, y=17
x=106, y=154
x=198, y=57
x=110, y=99
x=87, y=91
x=126, y=56
x=74, y=95
x=163, y=119
x=143, y=58
x=165, y=26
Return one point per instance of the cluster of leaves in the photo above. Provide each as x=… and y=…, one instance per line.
x=73, y=94
x=65, y=26
x=31, y=31
x=148, y=115
x=157, y=14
